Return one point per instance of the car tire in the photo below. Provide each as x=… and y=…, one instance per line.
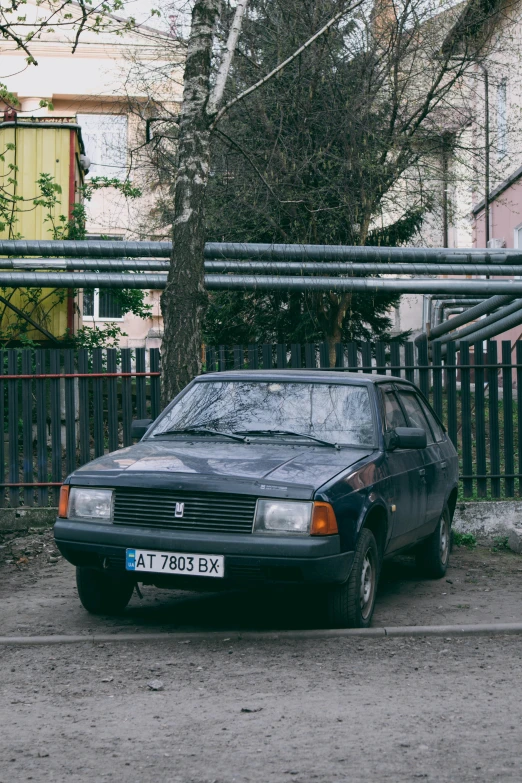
x=351, y=604
x=432, y=556
x=101, y=592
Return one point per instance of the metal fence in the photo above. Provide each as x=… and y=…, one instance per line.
x=476, y=391
x=61, y=408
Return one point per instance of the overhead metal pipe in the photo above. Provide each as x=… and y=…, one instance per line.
x=371, y=285
x=102, y=264
x=87, y=248
x=360, y=268
x=443, y=304
x=91, y=264
x=504, y=325
x=460, y=302
x=267, y=252
x=81, y=280
x=477, y=326
x=457, y=309
x=471, y=315
x=255, y=251
x=259, y=267
x=454, y=310
x=428, y=309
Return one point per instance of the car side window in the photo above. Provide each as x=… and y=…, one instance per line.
x=394, y=416
x=415, y=414
x=434, y=424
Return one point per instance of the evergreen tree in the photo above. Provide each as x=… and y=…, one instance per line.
x=309, y=159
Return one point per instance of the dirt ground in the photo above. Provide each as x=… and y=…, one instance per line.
x=311, y=711
x=38, y=596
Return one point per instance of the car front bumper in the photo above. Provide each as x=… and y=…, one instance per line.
x=249, y=558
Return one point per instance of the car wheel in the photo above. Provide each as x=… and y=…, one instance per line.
x=432, y=556
x=101, y=592
x=351, y=604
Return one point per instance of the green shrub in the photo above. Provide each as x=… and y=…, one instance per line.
x=464, y=539
x=500, y=544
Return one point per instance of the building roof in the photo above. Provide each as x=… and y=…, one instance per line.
x=496, y=192
x=472, y=15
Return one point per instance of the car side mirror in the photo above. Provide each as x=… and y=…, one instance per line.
x=406, y=438
x=139, y=427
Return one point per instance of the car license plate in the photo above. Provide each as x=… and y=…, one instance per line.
x=175, y=563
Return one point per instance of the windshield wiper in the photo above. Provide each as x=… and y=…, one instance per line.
x=201, y=431
x=288, y=432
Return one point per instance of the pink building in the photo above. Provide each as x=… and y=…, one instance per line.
x=505, y=225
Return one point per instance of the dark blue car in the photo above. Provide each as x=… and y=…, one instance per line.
x=267, y=477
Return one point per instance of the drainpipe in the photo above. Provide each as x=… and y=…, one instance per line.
x=445, y=218
x=486, y=155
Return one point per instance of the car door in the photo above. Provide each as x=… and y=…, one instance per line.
x=433, y=474
x=440, y=489
x=407, y=480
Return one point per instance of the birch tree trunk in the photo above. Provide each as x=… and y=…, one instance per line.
x=184, y=300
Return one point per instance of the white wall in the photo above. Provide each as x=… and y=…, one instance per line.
x=109, y=75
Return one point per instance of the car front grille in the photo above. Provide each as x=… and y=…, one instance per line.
x=205, y=511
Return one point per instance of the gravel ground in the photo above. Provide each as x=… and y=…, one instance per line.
x=443, y=710
x=310, y=711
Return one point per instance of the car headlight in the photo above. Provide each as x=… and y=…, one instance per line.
x=88, y=503
x=283, y=516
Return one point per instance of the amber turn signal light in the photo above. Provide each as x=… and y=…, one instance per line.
x=64, y=501
x=324, y=522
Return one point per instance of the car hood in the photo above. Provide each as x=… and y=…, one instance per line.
x=281, y=463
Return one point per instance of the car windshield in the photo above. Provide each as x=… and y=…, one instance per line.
x=335, y=412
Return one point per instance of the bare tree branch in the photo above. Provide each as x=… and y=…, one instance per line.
x=282, y=65
x=59, y=13
x=249, y=160
x=224, y=68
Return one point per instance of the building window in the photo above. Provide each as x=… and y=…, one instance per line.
x=502, y=119
x=100, y=304
x=105, y=139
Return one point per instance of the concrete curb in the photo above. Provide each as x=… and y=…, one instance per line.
x=491, y=519
x=492, y=629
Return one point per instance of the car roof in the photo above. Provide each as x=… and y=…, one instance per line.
x=309, y=374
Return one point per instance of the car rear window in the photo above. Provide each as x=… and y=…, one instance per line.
x=435, y=426
x=393, y=411
x=414, y=413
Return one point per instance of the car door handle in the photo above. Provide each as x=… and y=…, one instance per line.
x=444, y=464
x=422, y=472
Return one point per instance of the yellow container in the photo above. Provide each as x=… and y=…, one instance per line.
x=40, y=146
